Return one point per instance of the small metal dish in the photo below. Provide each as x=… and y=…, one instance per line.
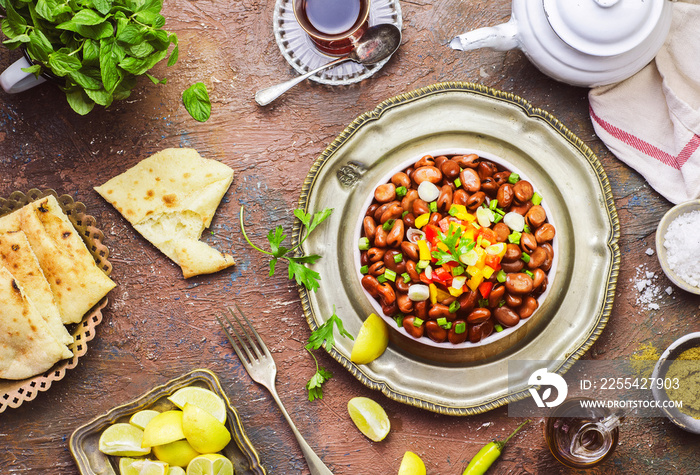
x=661, y=229
x=84, y=441
x=682, y=420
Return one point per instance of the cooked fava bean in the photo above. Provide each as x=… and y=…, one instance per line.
x=380, y=237
x=394, y=211
x=502, y=231
x=506, y=316
x=496, y=296
x=407, y=201
x=467, y=161
x=513, y=253
x=519, y=283
x=435, y=332
x=450, y=169
x=522, y=209
x=409, y=220
x=538, y=278
x=402, y=286
x=479, y=315
x=550, y=256
x=375, y=254
x=480, y=331
x=425, y=161
x=486, y=169
x=409, y=324
x=395, y=236
x=545, y=233
x=439, y=160
x=439, y=310
x=404, y=303
x=523, y=191
x=460, y=197
x=389, y=309
x=513, y=301
x=537, y=258
x=386, y=292
x=380, y=211
x=444, y=201
x=370, y=227
x=412, y=271
x=501, y=177
x=470, y=180
x=385, y=193
x=476, y=200
x=371, y=285
x=435, y=219
x=489, y=186
x=536, y=216
x=421, y=309
x=427, y=173
x=420, y=207
x=401, y=179
x=458, y=333
x=410, y=250
x=390, y=261
x=505, y=195
x=513, y=267
x=364, y=259
x=372, y=208
x=528, y=307
x=528, y=243
x=377, y=268
x=467, y=301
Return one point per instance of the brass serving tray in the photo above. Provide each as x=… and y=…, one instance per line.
x=84, y=442
x=450, y=116
x=14, y=393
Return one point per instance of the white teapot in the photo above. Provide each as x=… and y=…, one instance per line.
x=580, y=42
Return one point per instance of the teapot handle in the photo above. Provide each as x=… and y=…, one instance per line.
x=501, y=37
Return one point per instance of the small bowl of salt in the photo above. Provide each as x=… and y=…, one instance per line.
x=678, y=245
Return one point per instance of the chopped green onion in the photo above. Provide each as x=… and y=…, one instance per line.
x=363, y=244
x=381, y=279
x=483, y=303
x=497, y=218
x=398, y=258
x=498, y=328
x=513, y=178
x=401, y=191
x=398, y=318
x=532, y=276
x=433, y=206
x=387, y=226
x=525, y=257
x=514, y=237
x=461, y=327
x=500, y=211
x=406, y=277
x=458, y=182
x=417, y=322
x=364, y=269
x=501, y=276
x=403, y=215
x=442, y=321
x=422, y=264
x=501, y=303
x=526, y=229
x=536, y=199
x=454, y=306
x=390, y=275
x=493, y=204
x=453, y=210
x=456, y=271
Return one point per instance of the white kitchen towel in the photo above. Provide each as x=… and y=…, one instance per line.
x=651, y=121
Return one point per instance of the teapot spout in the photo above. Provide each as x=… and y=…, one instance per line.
x=501, y=37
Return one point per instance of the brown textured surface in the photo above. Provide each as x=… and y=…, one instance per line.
x=158, y=326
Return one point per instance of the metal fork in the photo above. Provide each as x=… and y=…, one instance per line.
x=258, y=361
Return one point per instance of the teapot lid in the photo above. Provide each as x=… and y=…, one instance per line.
x=603, y=27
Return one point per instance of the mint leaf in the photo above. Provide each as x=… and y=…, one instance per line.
x=62, y=64
x=87, y=17
x=196, y=100
x=79, y=101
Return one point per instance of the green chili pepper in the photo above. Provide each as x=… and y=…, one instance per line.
x=488, y=454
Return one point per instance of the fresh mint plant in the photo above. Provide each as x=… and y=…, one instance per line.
x=96, y=48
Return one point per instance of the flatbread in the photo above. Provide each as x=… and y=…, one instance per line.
x=170, y=198
x=27, y=346
x=18, y=258
x=76, y=282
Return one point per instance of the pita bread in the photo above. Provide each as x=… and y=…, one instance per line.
x=18, y=258
x=76, y=282
x=170, y=198
x=27, y=346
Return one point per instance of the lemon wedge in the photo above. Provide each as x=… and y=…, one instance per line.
x=122, y=440
x=210, y=464
x=202, y=398
x=129, y=466
x=176, y=471
x=203, y=431
x=411, y=464
x=141, y=418
x=164, y=428
x=369, y=417
x=178, y=453
x=372, y=340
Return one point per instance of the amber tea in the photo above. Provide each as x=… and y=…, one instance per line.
x=333, y=25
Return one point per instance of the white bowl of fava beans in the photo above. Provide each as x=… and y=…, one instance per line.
x=499, y=340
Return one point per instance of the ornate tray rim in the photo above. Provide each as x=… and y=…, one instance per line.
x=530, y=112
x=17, y=392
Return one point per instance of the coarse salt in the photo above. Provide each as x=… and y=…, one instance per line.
x=682, y=243
x=646, y=284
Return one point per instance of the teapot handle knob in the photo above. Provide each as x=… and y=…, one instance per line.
x=501, y=37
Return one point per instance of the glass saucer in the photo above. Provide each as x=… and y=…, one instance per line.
x=303, y=56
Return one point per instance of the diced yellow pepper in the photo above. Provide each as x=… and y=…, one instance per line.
x=475, y=281
x=474, y=271
x=442, y=246
x=440, y=294
x=468, y=217
x=433, y=293
x=423, y=250
x=455, y=292
x=487, y=272
x=455, y=209
x=468, y=233
x=422, y=220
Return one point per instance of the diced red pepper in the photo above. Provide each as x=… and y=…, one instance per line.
x=431, y=233
x=424, y=278
x=485, y=289
x=494, y=262
x=444, y=224
x=441, y=275
x=487, y=234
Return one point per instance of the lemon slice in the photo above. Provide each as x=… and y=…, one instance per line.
x=210, y=464
x=176, y=471
x=203, y=431
x=164, y=428
x=411, y=464
x=122, y=440
x=177, y=453
x=369, y=417
x=141, y=418
x=129, y=466
x=202, y=398
x=371, y=341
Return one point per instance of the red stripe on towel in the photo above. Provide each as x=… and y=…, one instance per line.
x=648, y=149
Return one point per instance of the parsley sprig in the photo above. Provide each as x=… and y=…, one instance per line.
x=323, y=335
x=296, y=264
